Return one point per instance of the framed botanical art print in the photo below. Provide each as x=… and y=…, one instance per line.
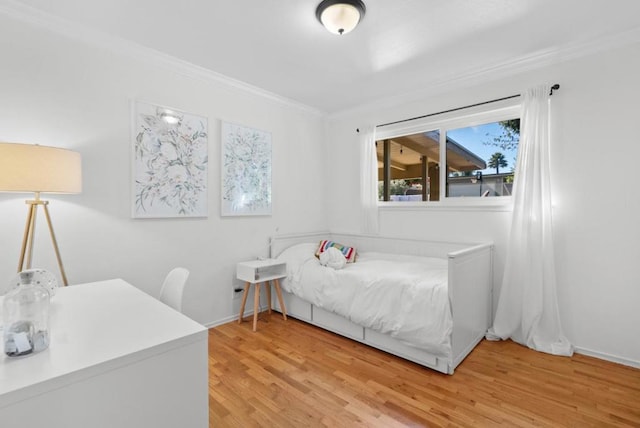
x=170, y=160
x=246, y=171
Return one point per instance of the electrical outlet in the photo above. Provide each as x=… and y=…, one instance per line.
x=237, y=292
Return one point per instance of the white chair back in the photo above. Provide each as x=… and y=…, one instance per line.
x=173, y=288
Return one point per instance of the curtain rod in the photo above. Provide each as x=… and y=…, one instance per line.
x=555, y=87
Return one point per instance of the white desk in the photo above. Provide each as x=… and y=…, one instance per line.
x=117, y=358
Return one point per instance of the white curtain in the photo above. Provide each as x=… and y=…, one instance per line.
x=368, y=181
x=528, y=306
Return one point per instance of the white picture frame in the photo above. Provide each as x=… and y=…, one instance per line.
x=169, y=162
x=246, y=171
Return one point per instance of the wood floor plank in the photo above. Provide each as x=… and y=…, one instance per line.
x=291, y=374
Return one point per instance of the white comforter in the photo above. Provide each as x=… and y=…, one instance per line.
x=404, y=296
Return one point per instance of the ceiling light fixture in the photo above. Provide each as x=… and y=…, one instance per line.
x=340, y=16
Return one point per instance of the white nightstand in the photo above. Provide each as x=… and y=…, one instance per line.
x=256, y=272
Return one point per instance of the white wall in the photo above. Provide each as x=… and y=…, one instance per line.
x=62, y=92
x=595, y=148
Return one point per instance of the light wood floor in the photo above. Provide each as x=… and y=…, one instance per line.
x=291, y=374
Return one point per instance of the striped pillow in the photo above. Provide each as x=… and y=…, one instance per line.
x=348, y=252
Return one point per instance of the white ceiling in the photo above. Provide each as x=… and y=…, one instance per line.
x=401, y=45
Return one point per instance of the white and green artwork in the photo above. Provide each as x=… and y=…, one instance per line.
x=169, y=162
x=246, y=171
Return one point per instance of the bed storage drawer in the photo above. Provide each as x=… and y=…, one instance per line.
x=296, y=307
x=337, y=324
x=389, y=344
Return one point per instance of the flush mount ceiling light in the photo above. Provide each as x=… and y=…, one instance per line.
x=340, y=16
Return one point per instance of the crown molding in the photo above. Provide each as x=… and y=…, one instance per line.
x=544, y=58
x=532, y=62
x=38, y=18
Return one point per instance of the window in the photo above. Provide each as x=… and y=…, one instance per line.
x=478, y=152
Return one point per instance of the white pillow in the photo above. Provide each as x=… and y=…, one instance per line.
x=298, y=253
x=333, y=258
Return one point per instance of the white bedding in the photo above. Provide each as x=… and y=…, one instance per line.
x=404, y=296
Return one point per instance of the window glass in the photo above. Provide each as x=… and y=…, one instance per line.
x=481, y=159
x=409, y=167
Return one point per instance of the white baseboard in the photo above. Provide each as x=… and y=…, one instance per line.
x=222, y=321
x=248, y=313
x=607, y=357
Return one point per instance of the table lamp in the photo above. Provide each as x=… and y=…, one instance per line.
x=39, y=169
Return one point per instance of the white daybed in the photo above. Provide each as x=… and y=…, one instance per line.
x=469, y=286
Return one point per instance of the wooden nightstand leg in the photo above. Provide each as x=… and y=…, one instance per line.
x=276, y=283
x=244, y=301
x=256, y=306
x=267, y=284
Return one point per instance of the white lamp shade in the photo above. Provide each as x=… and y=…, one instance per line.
x=34, y=168
x=340, y=18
